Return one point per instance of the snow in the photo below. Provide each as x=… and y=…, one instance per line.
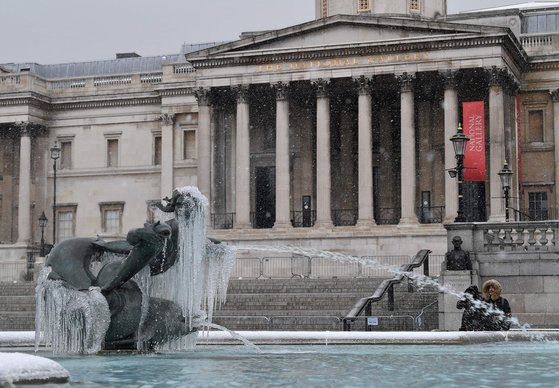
x=28, y=369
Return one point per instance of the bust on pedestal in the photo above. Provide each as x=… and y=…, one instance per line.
x=458, y=273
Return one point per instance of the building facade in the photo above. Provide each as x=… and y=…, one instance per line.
x=332, y=135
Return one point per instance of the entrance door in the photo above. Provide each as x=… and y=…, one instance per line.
x=265, y=197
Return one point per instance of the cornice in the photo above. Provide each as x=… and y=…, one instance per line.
x=106, y=103
x=188, y=91
x=447, y=42
x=29, y=99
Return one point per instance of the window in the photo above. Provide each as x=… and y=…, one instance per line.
x=324, y=8
x=65, y=155
x=65, y=222
x=535, y=126
x=537, y=206
x=415, y=6
x=363, y=6
x=189, y=144
x=111, y=217
x=157, y=149
x=112, y=152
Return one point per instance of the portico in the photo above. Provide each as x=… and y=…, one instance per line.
x=360, y=134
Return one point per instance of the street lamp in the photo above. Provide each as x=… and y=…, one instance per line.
x=459, y=141
x=54, y=155
x=43, y=223
x=506, y=179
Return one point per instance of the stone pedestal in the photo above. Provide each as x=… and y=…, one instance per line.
x=450, y=318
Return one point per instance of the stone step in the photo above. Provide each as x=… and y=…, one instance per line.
x=17, y=321
x=20, y=288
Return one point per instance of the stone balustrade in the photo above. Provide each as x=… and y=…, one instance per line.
x=30, y=82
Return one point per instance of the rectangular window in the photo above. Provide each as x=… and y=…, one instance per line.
x=535, y=126
x=111, y=217
x=65, y=222
x=189, y=144
x=65, y=155
x=363, y=6
x=415, y=6
x=112, y=152
x=157, y=150
x=537, y=206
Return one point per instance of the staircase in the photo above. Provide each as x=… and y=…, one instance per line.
x=275, y=304
x=319, y=304
x=17, y=306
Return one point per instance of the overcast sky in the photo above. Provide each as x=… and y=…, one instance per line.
x=59, y=31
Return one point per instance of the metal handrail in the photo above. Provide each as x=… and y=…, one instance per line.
x=421, y=258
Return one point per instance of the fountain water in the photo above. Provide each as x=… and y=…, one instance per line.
x=150, y=292
x=421, y=281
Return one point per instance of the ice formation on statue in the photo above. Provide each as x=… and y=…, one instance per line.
x=150, y=292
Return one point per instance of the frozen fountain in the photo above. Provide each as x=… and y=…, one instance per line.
x=152, y=291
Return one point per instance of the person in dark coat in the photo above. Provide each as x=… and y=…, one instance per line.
x=472, y=318
x=498, y=308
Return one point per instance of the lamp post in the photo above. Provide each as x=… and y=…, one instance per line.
x=43, y=220
x=506, y=179
x=459, y=141
x=54, y=155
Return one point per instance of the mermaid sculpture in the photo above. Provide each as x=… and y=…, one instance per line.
x=97, y=295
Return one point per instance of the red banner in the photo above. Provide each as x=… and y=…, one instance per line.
x=474, y=128
x=519, y=145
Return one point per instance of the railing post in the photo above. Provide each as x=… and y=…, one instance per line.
x=391, y=297
x=368, y=313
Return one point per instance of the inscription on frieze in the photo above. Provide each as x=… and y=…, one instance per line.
x=331, y=63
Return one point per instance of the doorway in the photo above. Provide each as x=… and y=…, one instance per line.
x=265, y=216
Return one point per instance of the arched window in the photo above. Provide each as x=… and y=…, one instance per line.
x=363, y=6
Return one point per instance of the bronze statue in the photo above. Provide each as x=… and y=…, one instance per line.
x=458, y=259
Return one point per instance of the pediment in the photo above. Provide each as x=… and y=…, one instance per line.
x=343, y=30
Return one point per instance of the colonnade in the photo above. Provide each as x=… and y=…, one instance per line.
x=498, y=81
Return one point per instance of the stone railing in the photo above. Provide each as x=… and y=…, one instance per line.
x=538, y=236
x=536, y=40
x=540, y=44
x=11, y=79
x=183, y=68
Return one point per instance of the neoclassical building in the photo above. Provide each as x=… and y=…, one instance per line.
x=332, y=134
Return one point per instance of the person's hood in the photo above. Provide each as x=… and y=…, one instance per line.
x=494, y=283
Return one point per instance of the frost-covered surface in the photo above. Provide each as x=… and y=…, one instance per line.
x=198, y=280
x=28, y=369
x=17, y=338
x=71, y=321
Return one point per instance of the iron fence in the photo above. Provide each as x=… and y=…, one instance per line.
x=344, y=217
x=303, y=219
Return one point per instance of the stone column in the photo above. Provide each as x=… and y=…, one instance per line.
x=408, y=189
x=451, y=121
x=365, y=129
x=242, y=181
x=204, y=142
x=167, y=154
x=496, y=144
x=24, y=195
x=323, y=181
x=555, y=98
x=283, y=193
